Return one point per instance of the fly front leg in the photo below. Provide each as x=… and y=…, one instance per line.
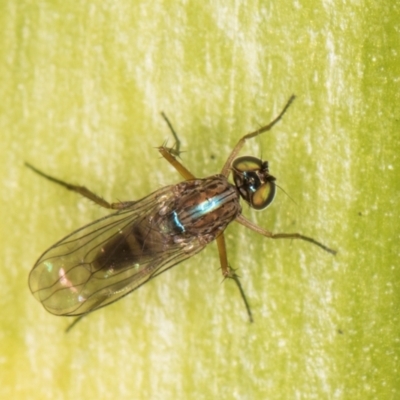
x=229, y=272
x=83, y=191
x=227, y=166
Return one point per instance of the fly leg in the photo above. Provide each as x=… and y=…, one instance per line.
x=80, y=317
x=226, y=170
x=183, y=171
x=83, y=191
x=248, y=224
x=175, y=150
x=170, y=154
x=229, y=272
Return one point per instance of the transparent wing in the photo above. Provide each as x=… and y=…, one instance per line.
x=109, y=258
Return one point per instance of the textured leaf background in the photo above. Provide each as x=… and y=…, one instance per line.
x=82, y=87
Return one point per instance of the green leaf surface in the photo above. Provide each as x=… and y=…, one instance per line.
x=82, y=87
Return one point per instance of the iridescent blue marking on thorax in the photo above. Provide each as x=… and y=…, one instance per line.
x=208, y=206
x=177, y=222
x=200, y=208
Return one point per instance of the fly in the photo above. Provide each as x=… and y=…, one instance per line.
x=107, y=259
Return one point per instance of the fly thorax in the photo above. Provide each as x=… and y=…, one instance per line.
x=204, y=207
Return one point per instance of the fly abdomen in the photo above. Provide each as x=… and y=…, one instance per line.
x=136, y=244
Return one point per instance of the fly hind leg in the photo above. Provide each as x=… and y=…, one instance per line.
x=83, y=191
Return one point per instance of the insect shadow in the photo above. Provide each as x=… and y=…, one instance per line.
x=107, y=259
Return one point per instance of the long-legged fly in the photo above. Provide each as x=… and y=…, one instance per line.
x=107, y=259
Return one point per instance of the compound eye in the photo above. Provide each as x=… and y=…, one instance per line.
x=253, y=181
x=263, y=196
x=247, y=164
